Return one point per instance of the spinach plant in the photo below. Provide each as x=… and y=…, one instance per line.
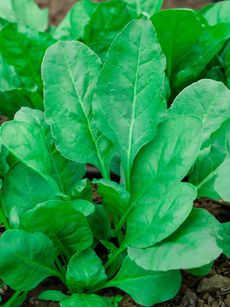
x=146, y=222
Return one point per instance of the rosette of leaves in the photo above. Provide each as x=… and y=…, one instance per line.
x=146, y=221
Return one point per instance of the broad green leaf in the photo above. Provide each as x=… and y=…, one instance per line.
x=211, y=162
x=84, y=206
x=154, y=221
x=114, y=196
x=177, y=31
x=148, y=7
x=24, y=12
x=85, y=271
x=193, y=245
x=68, y=103
x=146, y=287
x=26, y=259
x=166, y=160
x=67, y=228
x=217, y=13
x=24, y=48
x=29, y=138
x=74, y=23
x=52, y=295
x=193, y=63
x=106, y=22
x=195, y=100
x=23, y=190
x=132, y=80
x=86, y=300
x=226, y=239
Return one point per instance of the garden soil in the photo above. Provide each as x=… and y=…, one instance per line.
x=212, y=290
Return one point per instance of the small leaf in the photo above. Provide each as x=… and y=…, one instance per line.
x=83, y=206
x=74, y=23
x=133, y=74
x=114, y=196
x=217, y=13
x=23, y=252
x=85, y=271
x=106, y=22
x=222, y=181
x=86, y=300
x=52, y=295
x=69, y=234
x=226, y=239
x=25, y=12
x=24, y=48
x=202, y=271
x=148, y=7
x=193, y=245
x=146, y=287
x=23, y=190
x=99, y=223
x=29, y=139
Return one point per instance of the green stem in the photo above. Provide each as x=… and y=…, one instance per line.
x=12, y=299
x=3, y=218
x=60, y=267
x=123, y=219
x=115, y=255
x=119, y=232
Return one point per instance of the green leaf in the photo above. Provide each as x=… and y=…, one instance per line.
x=23, y=252
x=210, y=164
x=86, y=300
x=67, y=228
x=24, y=12
x=193, y=63
x=12, y=100
x=23, y=190
x=166, y=160
x=106, y=22
x=202, y=271
x=52, y=295
x=24, y=48
x=82, y=189
x=177, y=31
x=99, y=222
x=193, y=245
x=148, y=7
x=217, y=13
x=146, y=287
x=152, y=222
x=29, y=138
x=85, y=272
x=132, y=74
x=226, y=239
x=222, y=181
x=74, y=23
x=83, y=206
x=68, y=103
x=114, y=196
x=195, y=100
